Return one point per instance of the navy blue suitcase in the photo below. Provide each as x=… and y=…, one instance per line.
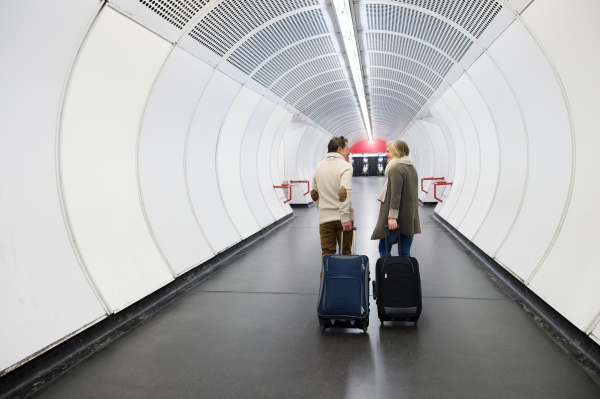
x=344, y=292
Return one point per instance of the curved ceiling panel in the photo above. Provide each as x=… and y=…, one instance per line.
x=226, y=24
x=277, y=36
x=410, y=52
x=410, y=46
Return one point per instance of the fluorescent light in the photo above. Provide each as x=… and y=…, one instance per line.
x=344, y=17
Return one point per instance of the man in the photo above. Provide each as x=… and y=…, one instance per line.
x=332, y=185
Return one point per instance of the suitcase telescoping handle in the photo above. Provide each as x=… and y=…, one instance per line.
x=353, y=240
x=386, y=232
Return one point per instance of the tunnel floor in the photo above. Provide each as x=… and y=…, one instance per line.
x=251, y=330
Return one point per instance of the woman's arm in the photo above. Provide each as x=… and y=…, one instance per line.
x=396, y=180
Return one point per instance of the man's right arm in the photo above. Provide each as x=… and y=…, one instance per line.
x=314, y=193
x=345, y=193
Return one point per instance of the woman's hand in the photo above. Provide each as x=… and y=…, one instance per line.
x=393, y=224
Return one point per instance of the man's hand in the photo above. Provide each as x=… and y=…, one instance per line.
x=347, y=226
x=393, y=224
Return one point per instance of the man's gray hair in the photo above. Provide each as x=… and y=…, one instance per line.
x=335, y=143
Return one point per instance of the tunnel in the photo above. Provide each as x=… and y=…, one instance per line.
x=157, y=238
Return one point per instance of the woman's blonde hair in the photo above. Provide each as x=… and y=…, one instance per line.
x=399, y=148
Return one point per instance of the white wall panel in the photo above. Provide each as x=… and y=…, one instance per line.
x=418, y=152
x=513, y=154
x=569, y=32
x=319, y=152
x=264, y=162
x=102, y=112
x=229, y=165
x=424, y=150
x=44, y=295
x=292, y=141
x=489, y=155
x=440, y=158
x=276, y=177
x=311, y=157
x=473, y=157
x=201, y=161
x=302, y=158
x=249, y=161
x=550, y=149
x=451, y=153
x=445, y=117
x=161, y=168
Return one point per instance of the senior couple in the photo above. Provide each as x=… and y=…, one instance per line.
x=331, y=193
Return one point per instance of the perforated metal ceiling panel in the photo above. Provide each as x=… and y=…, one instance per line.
x=409, y=48
x=177, y=12
x=231, y=20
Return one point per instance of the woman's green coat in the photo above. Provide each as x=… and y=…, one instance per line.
x=401, y=202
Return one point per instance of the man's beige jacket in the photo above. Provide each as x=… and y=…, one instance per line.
x=332, y=188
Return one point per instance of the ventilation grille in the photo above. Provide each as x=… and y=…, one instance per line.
x=473, y=16
x=177, y=12
x=275, y=37
x=409, y=102
x=305, y=71
x=414, y=95
x=320, y=92
x=291, y=57
x=333, y=108
x=312, y=83
x=401, y=77
x=405, y=65
x=328, y=98
x=231, y=20
x=409, y=48
x=422, y=26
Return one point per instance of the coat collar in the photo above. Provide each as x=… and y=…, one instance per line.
x=334, y=156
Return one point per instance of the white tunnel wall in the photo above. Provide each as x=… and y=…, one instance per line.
x=200, y=159
x=489, y=165
x=574, y=294
x=266, y=156
x=164, y=163
x=249, y=162
x=276, y=164
x=98, y=140
x=229, y=165
x=439, y=159
x=447, y=122
x=44, y=294
x=162, y=142
x=512, y=139
x=142, y=161
x=466, y=129
x=294, y=153
x=302, y=157
x=523, y=128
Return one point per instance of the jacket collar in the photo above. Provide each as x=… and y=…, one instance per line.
x=334, y=155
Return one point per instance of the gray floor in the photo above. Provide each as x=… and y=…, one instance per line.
x=251, y=330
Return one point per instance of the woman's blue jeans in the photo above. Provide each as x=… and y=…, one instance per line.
x=403, y=247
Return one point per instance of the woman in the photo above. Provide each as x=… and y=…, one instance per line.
x=399, y=202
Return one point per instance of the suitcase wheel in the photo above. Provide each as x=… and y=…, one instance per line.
x=322, y=327
x=365, y=327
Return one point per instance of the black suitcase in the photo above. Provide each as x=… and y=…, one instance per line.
x=397, y=288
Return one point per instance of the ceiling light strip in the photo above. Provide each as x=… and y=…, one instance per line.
x=343, y=14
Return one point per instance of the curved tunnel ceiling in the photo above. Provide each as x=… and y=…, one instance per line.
x=292, y=51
